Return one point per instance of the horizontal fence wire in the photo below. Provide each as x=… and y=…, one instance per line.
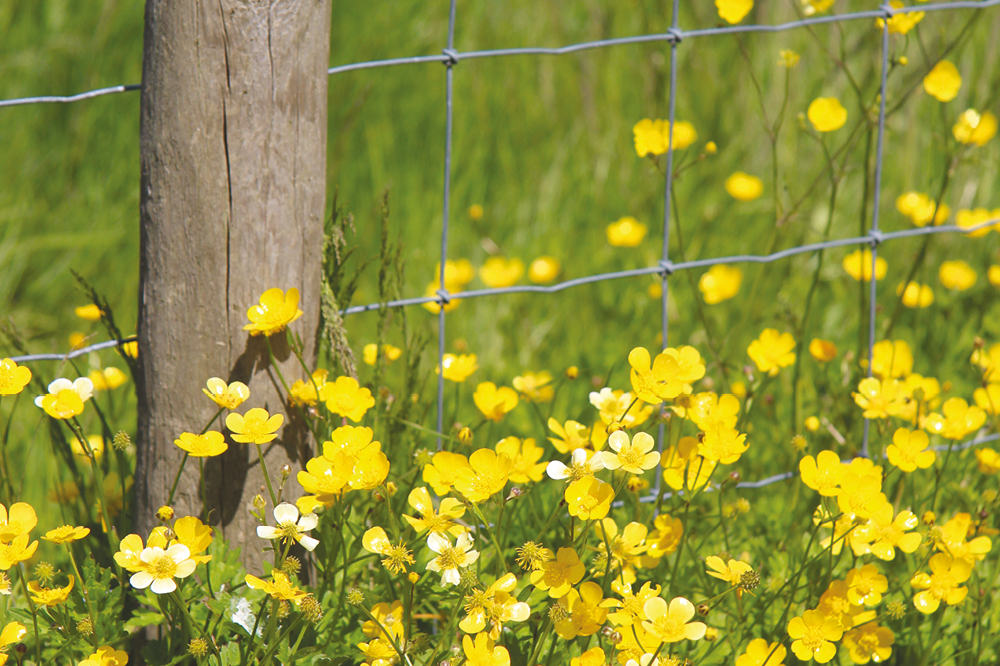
x=665, y=268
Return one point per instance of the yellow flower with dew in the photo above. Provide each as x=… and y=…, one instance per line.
x=585, y=614
x=65, y=398
x=524, y=456
x=772, y=351
x=276, y=310
x=869, y=642
x=656, y=381
x=788, y=58
x=18, y=521
x=626, y=232
x=280, y=587
x=959, y=419
x=861, y=494
x=305, y=392
x=744, y=187
x=634, y=457
x=858, y=265
x=908, y=450
x=544, y=270
x=451, y=558
x=826, y=114
x=485, y=475
x=440, y=521
x=942, y=584
x=974, y=128
x=458, y=368
x=483, y=652
x=957, y=275
x=13, y=377
x=823, y=351
x=988, y=398
x=289, y=527
x=573, y=435
x=435, y=306
x=107, y=379
x=370, y=353
x=396, y=556
x=535, y=387
x=967, y=219
x=672, y=623
x=226, y=396
x=498, y=272
x=879, y=399
x=254, y=427
x=160, y=567
x=652, y=137
x=882, y=534
x=106, y=655
x=720, y=283
x=589, y=498
x=866, y=585
x=492, y=607
x=891, y=358
x=66, y=534
x=50, y=597
x=943, y=81
x=494, y=403
x=814, y=635
x=733, y=11
x=560, y=574
x=901, y=23
x=921, y=209
x=210, y=444
x=347, y=398
x=988, y=460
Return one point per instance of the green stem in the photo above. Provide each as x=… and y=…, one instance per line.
x=267, y=477
x=34, y=613
x=86, y=597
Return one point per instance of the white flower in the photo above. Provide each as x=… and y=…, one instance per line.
x=290, y=527
x=83, y=387
x=160, y=567
x=451, y=558
x=578, y=468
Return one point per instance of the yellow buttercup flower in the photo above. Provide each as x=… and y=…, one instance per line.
x=652, y=136
x=672, y=623
x=458, y=368
x=731, y=572
x=560, y=574
x=370, y=353
x=988, y=398
x=210, y=444
x=88, y=312
x=618, y=407
x=491, y=607
x=915, y=295
x=159, y=567
x=761, y=653
x=432, y=291
x=19, y=520
x=16, y=551
x=593, y=657
x=347, y=398
x=451, y=558
x=573, y=435
x=50, y=597
x=544, y=270
x=952, y=540
x=227, y=396
x=722, y=444
x=589, y=498
x=943, y=583
x=810, y=7
x=443, y=471
x=131, y=349
x=13, y=377
x=275, y=311
x=921, y=208
x=814, y=635
x=535, y=387
x=324, y=481
x=823, y=473
x=902, y=23
x=254, y=427
x=943, y=81
x=476, y=212
x=457, y=273
x=891, y=358
x=107, y=379
x=584, y=611
x=626, y=232
x=524, y=456
x=12, y=633
x=684, y=468
x=858, y=265
x=494, y=402
x=396, y=556
x=720, y=283
x=66, y=534
x=974, y=128
x=880, y=399
x=823, y=351
x=279, y=587
x=976, y=217
x=908, y=450
x=106, y=655
x=483, y=652
x=485, y=475
x=498, y=272
x=957, y=275
x=869, y=641
x=866, y=585
x=959, y=419
x=306, y=391
x=65, y=398
x=772, y=351
x=733, y=11
x=744, y=187
x=827, y=114
x=788, y=58
x=657, y=380
x=441, y=520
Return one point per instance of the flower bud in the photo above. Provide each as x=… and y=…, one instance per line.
x=121, y=441
x=465, y=435
x=258, y=502
x=572, y=372
x=711, y=148
x=613, y=427
x=703, y=609
x=392, y=488
x=928, y=518
x=413, y=577
x=165, y=513
x=286, y=471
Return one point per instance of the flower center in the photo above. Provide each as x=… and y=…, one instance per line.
x=288, y=530
x=162, y=566
x=581, y=471
x=630, y=457
x=254, y=427
x=671, y=629
x=451, y=558
x=813, y=638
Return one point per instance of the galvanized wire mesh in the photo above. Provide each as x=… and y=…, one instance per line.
x=450, y=57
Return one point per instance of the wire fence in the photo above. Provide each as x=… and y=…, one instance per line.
x=674, y=36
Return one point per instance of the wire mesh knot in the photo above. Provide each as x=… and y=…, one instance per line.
x=444, y=295
x=452, y=55
x=889, y=10
x=666, y=267
x=676, y=35
x=876, y=237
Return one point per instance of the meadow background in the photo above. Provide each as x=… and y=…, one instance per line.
x=545, y=146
